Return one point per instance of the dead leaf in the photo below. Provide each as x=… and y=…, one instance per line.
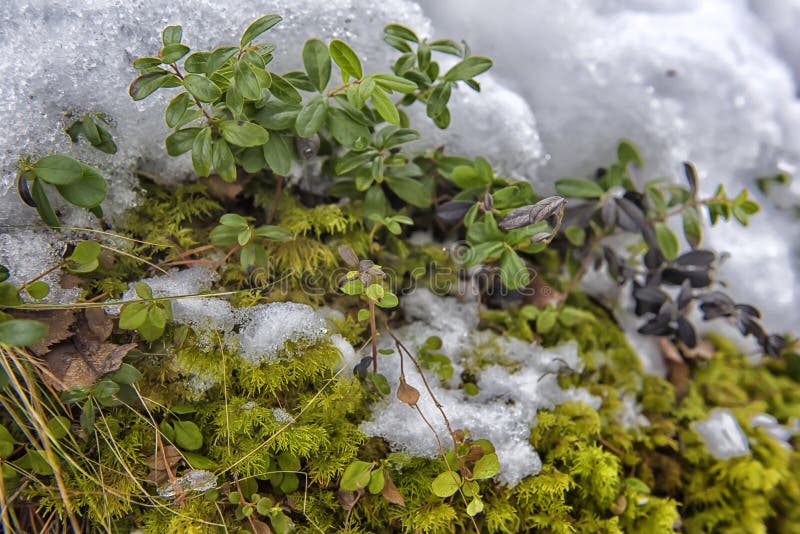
x=704, y=349
x=72, y=367
x=390, y=491
x=347, y=499
x=94, y=327
x=259, y=527
x=459, y=435
x=678, y=375
x=159, y=462
x=226, y=191
x=540, y=294
x=668, y=350
x=475, y=453
x=407, y=393
x=59, y=324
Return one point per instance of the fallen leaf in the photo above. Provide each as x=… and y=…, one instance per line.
x=72, y=367
x=704, y=349
x=94, y=327
x=259, y=527
x=347, y=499
x=390, y=491
x=540, y=294
x=158, y=463
x=59, y=324
x=226, y=191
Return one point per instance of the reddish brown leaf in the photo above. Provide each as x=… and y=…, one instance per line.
x=71, y=367
x=347, y=499
x=59, y=327
x=407, y=393
x=390, y=491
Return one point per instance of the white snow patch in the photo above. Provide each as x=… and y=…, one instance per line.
x=266, y=327
x=509, y=395
x=722, y=434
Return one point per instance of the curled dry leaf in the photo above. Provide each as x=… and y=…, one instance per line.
x=527, y=215
x=407, y=393
x=348, y=499
x=59, y=327
x=161, y=463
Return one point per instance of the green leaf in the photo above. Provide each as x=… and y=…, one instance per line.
x=667, y=241
x=7, y=442
x=143, y=291
x=375, y=292
x=223, y=161
x=438, y=99
x=467, y=178
x=246, y=81
x=276, y=233
x=352, y=287
x=187, y=435
x=126, y=374
x=468, y=68
x=394, y=83
x=21, y=332
x=363, y=314
x=692, y=230
x=181, y=141
x=447, y=46
x=346, y=59
x=88, y=192
x=173, y=52
x=317, y=62
x=58, y=170
x=401, y=32
x=410, y=190
x=133, y=315
x=58, y=427
x=202, y=151
x=345, y=130
x=219, y=57
x=578, y=188
x=85, y=252
x=156, y=317
x=257, y=27
x=576, y=235
x=385, y=107
x=389, y=300
x=546, y=320
x=381, y=384
x=376, y=481
x=171, y=35
x=223, y=235
x=278, y=154
x=513, y=272
x=243, y=133
x=487, y=466
x=312, y=117
x=38, y=289
x=176, y=108
x=144, y=85
x=197, y=62
x=234, y=220
x=283, y=90
x=43, y=206
x=475, y=506
x=482, y=251
x=446, y=484
x=202, y=88
x=356, y=475
x=628, y=153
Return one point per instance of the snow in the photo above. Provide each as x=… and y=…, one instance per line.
x=28, y=253
x=772, y=427
x=701, y=81
x=267, y=327
x=517, y=380
x=722, y=434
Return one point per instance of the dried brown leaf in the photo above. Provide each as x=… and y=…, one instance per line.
x=407, y=393
x=259, y=527
x=94, y=327
x=347, y=499
x=668, y=350
x=59, y=327
x=72, y=367
x=390, y=491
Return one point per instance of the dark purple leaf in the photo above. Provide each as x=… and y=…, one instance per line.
x=527, y=215
x=348, y=255
x=363, y=366
x=453, y=211
x=749, y=310
x=697, y=258
x=655, y=327
x=629, y=216
x=488, y=201
x=677, y=276
x=685, y=295
x=608, y=213
x=653, y=258
x=691, y=177
x=686, y=332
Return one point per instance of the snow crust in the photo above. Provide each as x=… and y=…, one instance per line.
x=722, y=434
x=518, y=379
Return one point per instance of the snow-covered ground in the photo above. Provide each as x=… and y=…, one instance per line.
x=711, y=81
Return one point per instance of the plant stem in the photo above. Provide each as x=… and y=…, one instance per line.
x=274, y=206
x=374, y=340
